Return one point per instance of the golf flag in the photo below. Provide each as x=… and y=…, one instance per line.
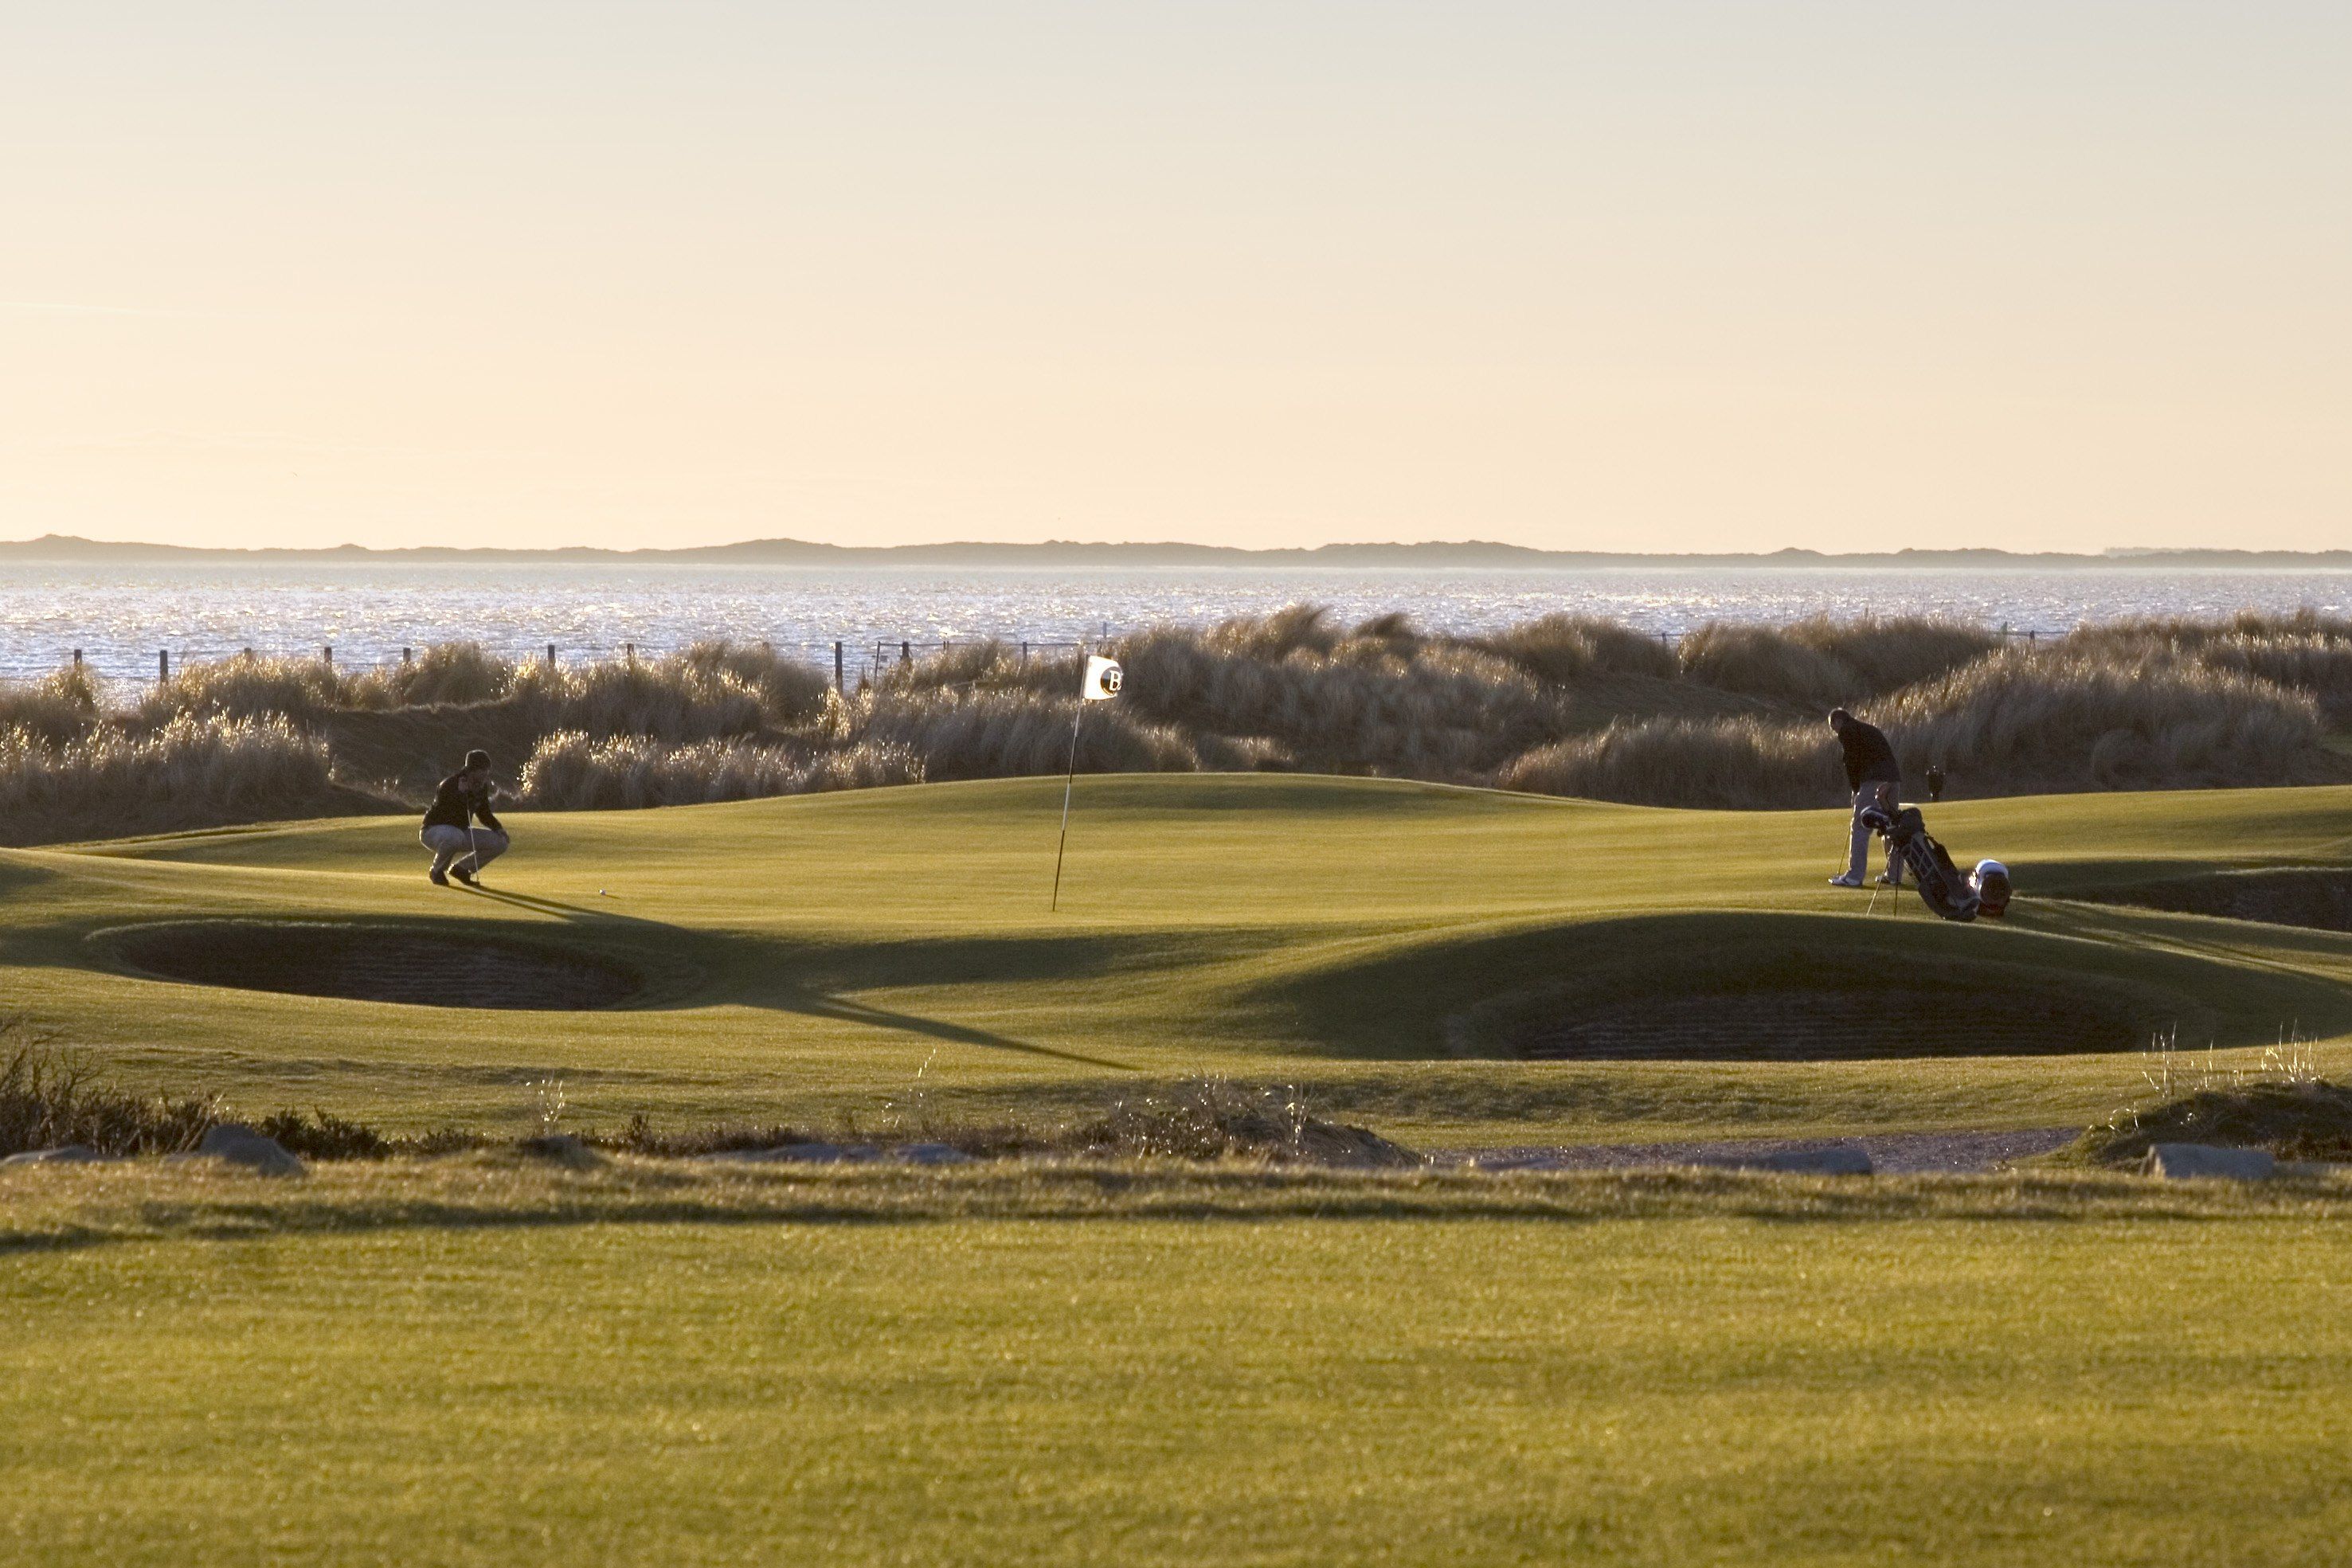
x=1103, y=676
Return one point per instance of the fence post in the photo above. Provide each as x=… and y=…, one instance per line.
x=631, y=650
x=330, y=656
x=840, y=673
x=76, y=658
x=407, y=656
x=905, y=652
x=248, y=653
x=1025, y=653
x=550, y=655
x=163, y=666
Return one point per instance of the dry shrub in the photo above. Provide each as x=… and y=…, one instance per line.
x=1415, y=707
x=1820, y=661
x=245, y=686
x=190, y=772
x=56, y=707
x=1737, y=764
x=2017, y=721
x=571, y=772
x=50, y=1099
x=444, y=672
x=673, y=699
x=1563, y=650
x=1887, y=652
x=790, y=690
x=2307, y=651
x=1766, y=662
x=985, y=665
x=1216, y=1119
x=2024, y=720
x=997, y=735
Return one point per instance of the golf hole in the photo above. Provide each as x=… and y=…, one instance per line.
x=421, y=967
x=1831, y=1024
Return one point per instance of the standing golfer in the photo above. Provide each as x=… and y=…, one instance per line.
x=1877, y=779
x=460, y=849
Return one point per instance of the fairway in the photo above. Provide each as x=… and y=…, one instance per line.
x=1391, y=948
x=1659, y=1391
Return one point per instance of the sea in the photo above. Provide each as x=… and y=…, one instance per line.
x=123, y=618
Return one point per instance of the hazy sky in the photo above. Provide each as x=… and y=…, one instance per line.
x=1640, y=275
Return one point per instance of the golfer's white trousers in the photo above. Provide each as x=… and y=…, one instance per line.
x=453, y=845
x=1864, y=799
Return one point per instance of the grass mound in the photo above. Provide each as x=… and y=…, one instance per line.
x=2318, y=898
x=2307, y=1119
x=1842, y=1023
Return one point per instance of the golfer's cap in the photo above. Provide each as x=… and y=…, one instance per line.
x=1992, y=868
x=477, y=759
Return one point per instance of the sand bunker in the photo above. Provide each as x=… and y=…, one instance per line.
x=1831, y=1024
x=2318, y=897
x=424, y=967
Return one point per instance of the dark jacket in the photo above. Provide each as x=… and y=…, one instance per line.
x=1868, y=759
x=454, y=803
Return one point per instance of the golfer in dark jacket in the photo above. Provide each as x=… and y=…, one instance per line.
x=1875, y=778
x=460, y=849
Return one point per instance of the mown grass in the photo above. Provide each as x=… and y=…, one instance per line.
x=873, y=952
x=1224, y=1366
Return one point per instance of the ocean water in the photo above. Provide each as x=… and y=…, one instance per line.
x=121, y=617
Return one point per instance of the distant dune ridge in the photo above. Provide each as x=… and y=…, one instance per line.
x=1464, y=553
x=1728, y=716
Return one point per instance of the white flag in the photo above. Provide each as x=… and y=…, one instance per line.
x=1102, y=680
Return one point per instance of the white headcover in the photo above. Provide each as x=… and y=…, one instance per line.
x=1103, y=677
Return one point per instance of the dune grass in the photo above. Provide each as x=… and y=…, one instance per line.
x=1730, y=717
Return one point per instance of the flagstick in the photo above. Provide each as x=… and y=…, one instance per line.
x=1067, y=779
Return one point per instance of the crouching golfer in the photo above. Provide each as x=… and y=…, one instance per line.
x=460, y=849
x=1877, y=779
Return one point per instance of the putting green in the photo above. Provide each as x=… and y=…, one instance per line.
x=1389, y=946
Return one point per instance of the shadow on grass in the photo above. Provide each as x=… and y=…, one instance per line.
x=681, y=969
x=1430, y=999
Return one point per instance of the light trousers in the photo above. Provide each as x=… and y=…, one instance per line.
x=455, y=846
x=1864, y=799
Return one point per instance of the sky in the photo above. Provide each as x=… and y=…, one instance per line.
x=1642, y=277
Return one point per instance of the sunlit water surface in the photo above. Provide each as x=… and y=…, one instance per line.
x=121, y=617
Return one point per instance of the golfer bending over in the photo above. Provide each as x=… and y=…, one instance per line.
x=1871, y=772
x=460, y=849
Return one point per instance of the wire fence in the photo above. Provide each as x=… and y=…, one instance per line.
x=849, y=664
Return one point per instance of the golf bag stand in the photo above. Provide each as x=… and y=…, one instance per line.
x=1942, y=887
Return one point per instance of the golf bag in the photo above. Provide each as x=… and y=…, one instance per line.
x=1942, y=887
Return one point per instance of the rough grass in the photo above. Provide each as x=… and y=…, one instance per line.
x=2307, y=1119
x=51, y=1098
x=1196, y=1365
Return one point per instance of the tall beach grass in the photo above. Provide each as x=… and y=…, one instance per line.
x=1730, y=716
